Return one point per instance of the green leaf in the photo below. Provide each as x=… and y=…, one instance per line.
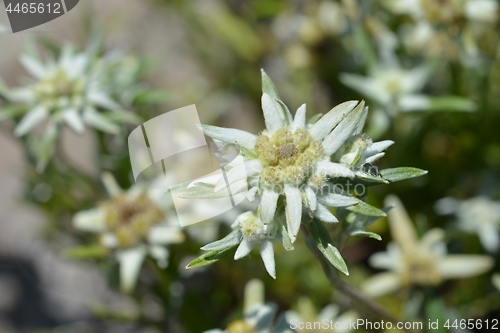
x=363, y=208
x=268, y=86
x=361, y=222
x=359, y=154
x=351, y=183
x=451, y=103
x=47, y=44
x=45, y=147
x=102, y=312
x=124, y=117
x=211, y=257
x=230, y=240
x=369, y=234
x=315, y=118
x=12, y=111
x=248, y=152
x=284, y=238
x=402, y=173
x=371, y=179
x=90, y=251
x=326, y=245
x=375, y=218
x=365, y=46
x=151, y=97
x=286, y=112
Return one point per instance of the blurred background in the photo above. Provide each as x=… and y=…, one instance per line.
x=429, y=70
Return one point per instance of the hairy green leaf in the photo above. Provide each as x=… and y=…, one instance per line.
x=268, y=86
x=211, y=257
x=365, y=209
x=326, y=245
x=90, y=251
x=402, y=173
x=369, y=234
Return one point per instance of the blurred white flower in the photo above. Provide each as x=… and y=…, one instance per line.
x=450, y=28
x=481, y=10
x=479, y=215
x=67, y=91
x=418, y=262
x=395, y=90
x=332, y=17
x=307, y=316
x=132, y=224
x=259, y=316
x=445, y=11
x=405, y=7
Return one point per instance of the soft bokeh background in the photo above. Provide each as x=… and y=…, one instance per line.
x=209, y=53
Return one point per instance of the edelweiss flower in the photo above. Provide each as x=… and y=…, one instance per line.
x=249, y=231
x=395, y=89
x=480, y=215
x=289, y=165
x=131, y=225
x=414, y=262
x=65, y=91
x=292, y=159
x=306, y=319
x=258, y=315
x=68, y=91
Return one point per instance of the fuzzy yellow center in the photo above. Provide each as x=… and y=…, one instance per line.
x=251, y=227
x=240, y=326
x=56, y=86
x=288, y=157
x=419, y=268
x=130, y=220
x=442, y=11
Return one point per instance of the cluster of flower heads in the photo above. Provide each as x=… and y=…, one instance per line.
x=295, y=167
x=71, y=89
x=132, y=224
x=450, y=28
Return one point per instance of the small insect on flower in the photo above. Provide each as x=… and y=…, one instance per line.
x=294, y=167
x=130, y=225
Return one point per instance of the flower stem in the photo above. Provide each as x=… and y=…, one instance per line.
x=346, y=289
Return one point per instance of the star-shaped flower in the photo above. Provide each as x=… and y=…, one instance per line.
x=70, y=91
x=294, y=167
x=132, y=224
x=418, y=262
